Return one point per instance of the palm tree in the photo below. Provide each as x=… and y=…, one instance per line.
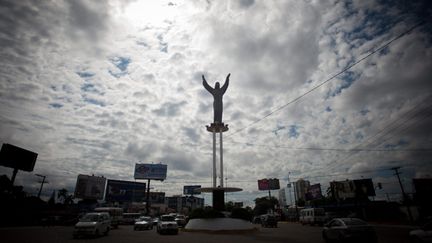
x=64, y=196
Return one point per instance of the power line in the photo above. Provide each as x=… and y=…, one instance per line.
x=387, y=128
x=426, y=116
x=334, y=149
x=329, y=79
x=392, y=126
x=308, y=177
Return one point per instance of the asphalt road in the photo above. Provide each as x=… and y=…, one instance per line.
x=286, y=232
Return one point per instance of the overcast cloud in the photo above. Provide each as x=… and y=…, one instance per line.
x=95, y=87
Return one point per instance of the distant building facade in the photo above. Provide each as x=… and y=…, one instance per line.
x=282, y=197
x=301, y=187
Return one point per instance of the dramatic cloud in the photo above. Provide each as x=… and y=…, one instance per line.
x=95, y=87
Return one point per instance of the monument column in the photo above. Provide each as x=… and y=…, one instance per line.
x=214, y=159
x=221, y=161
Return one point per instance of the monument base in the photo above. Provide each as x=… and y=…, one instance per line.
x=220, y=226
x=217, y=127
x=218, y=194
x=218, y=200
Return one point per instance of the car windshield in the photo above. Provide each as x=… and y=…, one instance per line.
x=147, y=219
x=354, y=222
x=89, y=218
x=167, y=218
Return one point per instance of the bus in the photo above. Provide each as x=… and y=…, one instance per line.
x=312, y=216
x=116, y=214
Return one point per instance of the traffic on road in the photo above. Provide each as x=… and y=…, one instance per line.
x=284, y=232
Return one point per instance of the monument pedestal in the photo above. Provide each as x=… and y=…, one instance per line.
x=218, y=195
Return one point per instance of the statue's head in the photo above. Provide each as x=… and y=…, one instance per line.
x=217, y=85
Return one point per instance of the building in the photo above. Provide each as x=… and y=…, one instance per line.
x=282, y=197
x=184, y=204
x=301, y=187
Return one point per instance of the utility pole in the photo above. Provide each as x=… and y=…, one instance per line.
x=404, y=196
x=295, y=201
x=148, y=198
x=42, y=183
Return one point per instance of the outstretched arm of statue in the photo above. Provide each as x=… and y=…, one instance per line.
x=225, y=86
x=206, y=85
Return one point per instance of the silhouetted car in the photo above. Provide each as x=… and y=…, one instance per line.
x=348, y=230
x=130, y=218
x=268, y=220
x=143, y=223
x=155, y=221
x=181, y=220
x=424, y=234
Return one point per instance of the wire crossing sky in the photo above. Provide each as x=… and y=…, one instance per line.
x=332, y=77
x=95, y=87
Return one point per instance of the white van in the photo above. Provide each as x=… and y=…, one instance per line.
x=312, y=216
x=92, y=224
x=115, y=213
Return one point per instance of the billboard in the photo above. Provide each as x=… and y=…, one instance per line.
x=313, y=192
x=190, y=190
x=125, y=191
x=268, y=184
x=17, y=158
x=343, y=189
x=90, y=187
x=353, y=188
x=150, y=171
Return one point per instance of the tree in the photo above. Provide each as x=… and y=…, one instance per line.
x=64, y=196
x=229, y=206
x=263, y=205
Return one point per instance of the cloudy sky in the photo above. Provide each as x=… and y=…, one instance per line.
x=96, y=86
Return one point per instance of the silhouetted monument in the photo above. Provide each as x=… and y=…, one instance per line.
x=217, y=93
x=218, y=126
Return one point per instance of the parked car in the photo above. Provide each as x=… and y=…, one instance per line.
x=423, y=234
x=143, y=223
x=167, y=225
x=348, y=230
x=332, y=215
x=92, y=224
x=181, y=220
x=130, y=218
x=312, y=216
x=268, y=220
x=155, y=221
